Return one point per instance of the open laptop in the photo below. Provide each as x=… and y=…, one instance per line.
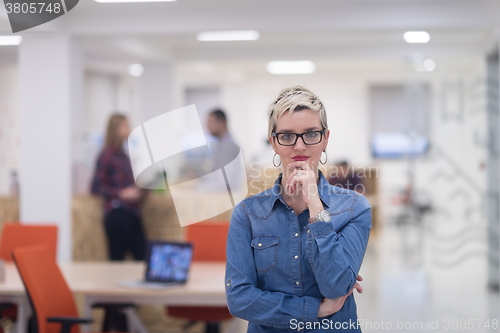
x=168, y=264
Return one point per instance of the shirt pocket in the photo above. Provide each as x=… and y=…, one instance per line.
x=265, y=252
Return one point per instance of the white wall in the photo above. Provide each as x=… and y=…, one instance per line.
x=105, y=93
x=9, y=125
x=101, y=99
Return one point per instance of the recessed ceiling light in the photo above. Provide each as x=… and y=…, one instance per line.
x=118, y=1
x=291, y=67
x=135, y=69
x=229, y=35
x=416, y=36
x=429, y=65
x=10, y=40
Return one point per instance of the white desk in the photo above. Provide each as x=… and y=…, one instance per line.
x=97, y=282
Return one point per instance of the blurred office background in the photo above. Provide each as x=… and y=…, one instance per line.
x=422, y=113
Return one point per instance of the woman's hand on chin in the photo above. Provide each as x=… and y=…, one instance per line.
x=302, y=178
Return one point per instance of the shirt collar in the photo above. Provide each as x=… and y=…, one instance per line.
x=323, y=189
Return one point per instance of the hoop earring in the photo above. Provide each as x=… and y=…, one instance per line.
x=274, y=163
x=326, y=159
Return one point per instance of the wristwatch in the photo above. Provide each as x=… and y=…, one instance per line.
x=323, y=216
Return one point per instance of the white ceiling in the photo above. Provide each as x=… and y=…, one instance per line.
x=190, y=16
x=290, y=29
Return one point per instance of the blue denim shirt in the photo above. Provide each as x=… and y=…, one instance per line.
x=279, y=267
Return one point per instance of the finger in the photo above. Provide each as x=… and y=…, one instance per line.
x=298, y=175
x=358, y=288
x=293, y=174
x=302, y=176
x=288, y=185
x=302, y=165
x=298, y=185
x=290, y=181
x=294, y=181
x=306, y=171
x=294, y=166
x=359, y=278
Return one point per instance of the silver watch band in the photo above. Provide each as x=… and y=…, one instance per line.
x=324, y=216
x=315, y=219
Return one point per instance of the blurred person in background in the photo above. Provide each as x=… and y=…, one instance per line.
x=114, y=180
x=217, y=127
x=345, y=176
x=223, y=150
x=294, y=251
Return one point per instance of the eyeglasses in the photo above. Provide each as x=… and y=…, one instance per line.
x=290, y=139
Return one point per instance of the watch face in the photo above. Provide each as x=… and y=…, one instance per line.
x=325, y=215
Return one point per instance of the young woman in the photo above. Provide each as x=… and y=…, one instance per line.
x=114, y=180
x=294, y=250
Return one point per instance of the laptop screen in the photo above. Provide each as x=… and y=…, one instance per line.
x=168, y=262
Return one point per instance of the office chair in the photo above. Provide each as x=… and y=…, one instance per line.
x=51, y=299
x=14, y=235
x=49, y=295
x=209, y=239
x=19, y=235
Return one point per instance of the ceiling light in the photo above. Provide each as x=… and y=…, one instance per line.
x=135, y=69
x=416, y=36
x=429, y=65
x=118, y=1
x=10, y=40
x=228, y=35
x=291, y=67
x=424, y=66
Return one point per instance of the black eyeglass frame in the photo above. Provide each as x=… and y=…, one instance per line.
x=297, y=136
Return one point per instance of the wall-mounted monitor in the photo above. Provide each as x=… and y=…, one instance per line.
x=398, y=145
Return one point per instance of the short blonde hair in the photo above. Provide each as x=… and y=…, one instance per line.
x=292, y=99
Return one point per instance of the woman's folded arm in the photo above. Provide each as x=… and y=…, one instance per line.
x=336, y=257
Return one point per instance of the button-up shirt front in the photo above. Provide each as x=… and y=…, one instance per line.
x=280, y=267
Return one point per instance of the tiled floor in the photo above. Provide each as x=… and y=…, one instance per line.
x=406, y=285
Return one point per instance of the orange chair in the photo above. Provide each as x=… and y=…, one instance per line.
x=14, y=235
x=209, y=239
x=50, y=297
